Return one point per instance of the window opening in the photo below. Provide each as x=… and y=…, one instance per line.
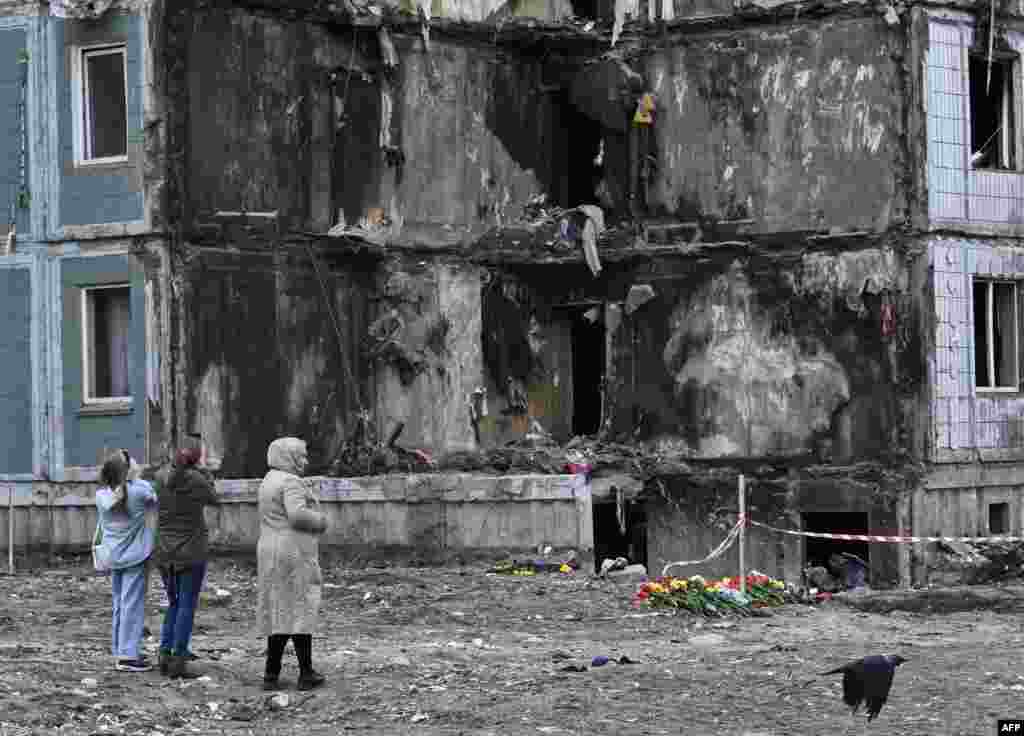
x=998, y=518
x=834, y=554
x=995, y=334
x=585, y=8
x=588, y=363
x=104, y=104
x=105, y=342
x=610, y=542
x=992, y=114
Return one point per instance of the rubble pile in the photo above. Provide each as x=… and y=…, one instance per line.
x=961, y=563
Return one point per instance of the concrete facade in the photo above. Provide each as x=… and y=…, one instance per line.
x=327, y=217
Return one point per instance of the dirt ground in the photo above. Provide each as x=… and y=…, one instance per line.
x=458, y=651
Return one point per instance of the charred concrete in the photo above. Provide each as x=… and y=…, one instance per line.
x=473, y=231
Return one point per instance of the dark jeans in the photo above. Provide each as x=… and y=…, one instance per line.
x=183, y=584
x=303, y=651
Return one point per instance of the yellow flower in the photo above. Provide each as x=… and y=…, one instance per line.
x=677, y=584
x=564, y=568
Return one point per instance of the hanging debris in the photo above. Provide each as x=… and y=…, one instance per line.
x=592, y=229
x=79, y=9
x=639, y=294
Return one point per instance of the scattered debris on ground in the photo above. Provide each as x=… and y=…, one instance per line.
x=464, y=650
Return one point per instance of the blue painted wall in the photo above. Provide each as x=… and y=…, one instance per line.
x=15, y=359
x=12, y=43
x=85, y=435
x=90, y=195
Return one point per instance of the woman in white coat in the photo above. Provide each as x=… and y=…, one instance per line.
x=288, y=561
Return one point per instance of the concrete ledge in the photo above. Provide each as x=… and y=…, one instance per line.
x=974, y=476
x=1001, y=599
x=431, y=517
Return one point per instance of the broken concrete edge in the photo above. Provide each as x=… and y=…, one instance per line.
x=596, y=32
x=354, y=245
x=1005, y=599
x=427, y=487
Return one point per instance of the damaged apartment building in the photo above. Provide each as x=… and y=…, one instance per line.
x=671, y=240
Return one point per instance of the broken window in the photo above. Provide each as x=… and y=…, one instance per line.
x=104, y=104
x=995, y=334
x=998, y=518
x=992, y=113
x=105, y=343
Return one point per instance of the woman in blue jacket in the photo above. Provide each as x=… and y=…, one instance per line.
x=122, y=504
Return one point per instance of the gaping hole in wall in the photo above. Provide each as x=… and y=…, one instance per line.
x=588, y=368
x=583, y=162
x=998, y=518
x=585, y=8
x=992, y=118
x=996, y=324
x=620, y=530
x=831, y=553
x=357, y=110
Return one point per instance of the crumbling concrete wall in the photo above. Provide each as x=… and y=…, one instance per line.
x=704, y=504
x=794, y=127
x=263, y=357
x=426, y=353
x=741, y=353
x=255, y=99
x=480, y=134
x=758, y=359
x=527, y=363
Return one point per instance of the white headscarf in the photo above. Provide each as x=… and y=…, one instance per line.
x=284, y=454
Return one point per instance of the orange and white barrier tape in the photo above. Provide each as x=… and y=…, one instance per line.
x=883, y=538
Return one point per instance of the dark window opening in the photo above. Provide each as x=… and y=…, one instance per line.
x=995, y=334
x=828, y=553
x=585, y=8
x=107, y=324
x=992, y=118
x=104, y=103
x=610, y=541
x=588, y=363
x=998, y=518
x=576, y=180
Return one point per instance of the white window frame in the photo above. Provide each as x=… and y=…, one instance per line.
x=87, y=350
x=80, y=101
x=990, y=335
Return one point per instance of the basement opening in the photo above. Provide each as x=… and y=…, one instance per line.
x=818, y=551
x=584, y=8
x=998, y=518
x=992, y=120
x=610, y=541
x=588, y=363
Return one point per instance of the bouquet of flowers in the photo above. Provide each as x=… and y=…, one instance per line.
x=713, y=597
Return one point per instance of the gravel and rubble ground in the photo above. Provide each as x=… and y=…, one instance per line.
x=459, y=651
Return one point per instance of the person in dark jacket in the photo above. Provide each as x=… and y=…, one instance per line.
x=182, y=551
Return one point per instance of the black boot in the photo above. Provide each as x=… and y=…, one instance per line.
x=164, y=660
x=308, y=677
x=178, y=669
x=275, y=649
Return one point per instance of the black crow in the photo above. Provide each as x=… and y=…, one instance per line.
x=868, y=680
